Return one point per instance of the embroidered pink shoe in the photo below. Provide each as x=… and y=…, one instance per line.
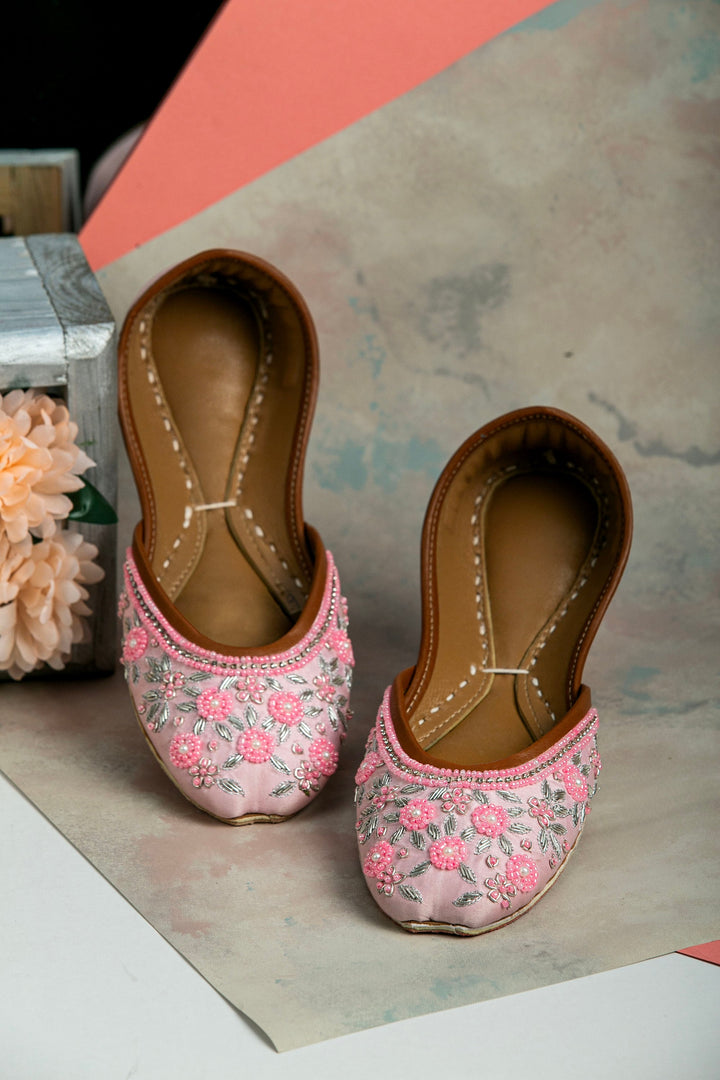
x=479, y=772
x=235, y=642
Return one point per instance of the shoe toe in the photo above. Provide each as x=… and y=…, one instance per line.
x=250, y=739
x=467, y=852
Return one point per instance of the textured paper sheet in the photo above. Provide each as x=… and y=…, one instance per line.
x=709, y=952
x=267, y=82
x=531, y=226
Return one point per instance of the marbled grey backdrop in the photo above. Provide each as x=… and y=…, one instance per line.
x=538, y=224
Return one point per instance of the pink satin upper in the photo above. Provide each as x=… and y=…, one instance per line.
x=463, y=848
x=250, y=735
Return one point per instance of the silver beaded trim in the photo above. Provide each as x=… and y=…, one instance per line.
x=472, y=777
x=270, y=665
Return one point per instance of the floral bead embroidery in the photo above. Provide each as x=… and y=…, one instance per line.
x=387, y=880
x=422, y=820
x=378, y=859
x=204, y=773
x=575, y=783
x=456, y=799
x=490, y=820
x=286, y=708
x=135, y=644
x=417, y=814
x=500, y=890
x=277, y=719
x=250, y=688
x=172, y=682
x=542, y=811
x=256, y=745
x=367, y=767
x=214, y=704
x=340, y=642
x=323, y=755
x=324, y=688
x=308, y=778
x=522, y=871
x=383, y=796
x=185, y=750
x=447, y=854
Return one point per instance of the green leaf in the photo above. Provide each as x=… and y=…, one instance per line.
x=89, y=505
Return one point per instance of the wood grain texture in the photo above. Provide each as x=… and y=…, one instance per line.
x=39, y=191
x=32, y=346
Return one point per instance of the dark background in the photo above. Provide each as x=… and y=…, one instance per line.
x=79, y=75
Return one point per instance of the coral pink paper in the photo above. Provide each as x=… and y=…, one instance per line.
x=709, y=952
x=267, y=82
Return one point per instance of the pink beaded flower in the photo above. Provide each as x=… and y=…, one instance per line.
x=541, y=810
x=595, y=763
x=250, y=688
x=383, y=796
x=185, y=750
x=387, y=880
x=490, y=820
x=522, y=871
x=500, y=890
x=172, y=682
x=214, y=704
x=417, y=814
x=256, y=745
x=204, y=773
x=340, y=643
x=575, y=783
x=286, y=708
x=367, y=767
x=308, y=778
x=324, y=688
x=378, y=859
x=456, y=799
x=448, y=853
x=135, y=644
x=323, y=755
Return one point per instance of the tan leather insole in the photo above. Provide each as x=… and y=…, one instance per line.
x=206, y=346
x=537, y=531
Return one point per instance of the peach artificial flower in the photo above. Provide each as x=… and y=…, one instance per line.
x=39, y=463
x=42, y=599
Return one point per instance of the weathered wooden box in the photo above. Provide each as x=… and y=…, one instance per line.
x=57, y=334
